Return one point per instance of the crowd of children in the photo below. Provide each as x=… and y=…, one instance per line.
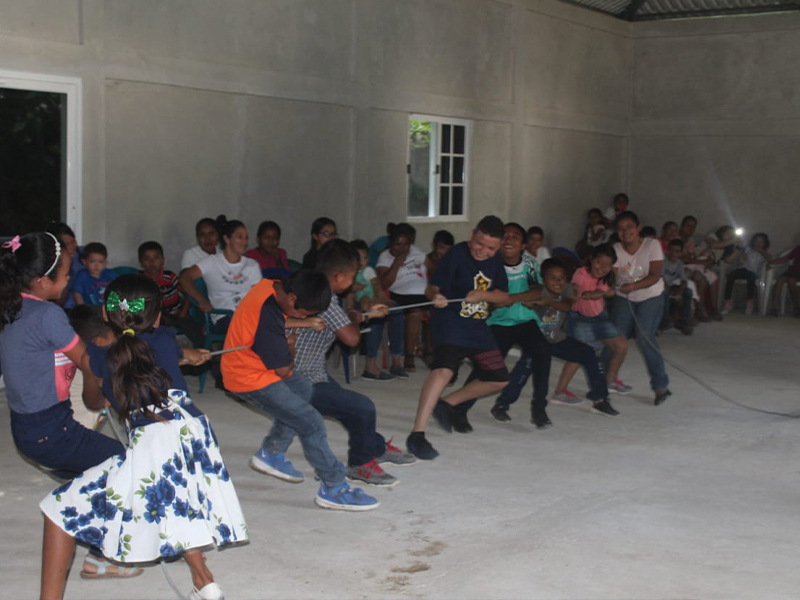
x=169, y=493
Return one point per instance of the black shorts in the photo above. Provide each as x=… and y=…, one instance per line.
x=488, y=365
x=406, y=299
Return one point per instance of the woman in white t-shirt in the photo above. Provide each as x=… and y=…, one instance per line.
x=228, y=275
x=639, y=302
x=401, y=271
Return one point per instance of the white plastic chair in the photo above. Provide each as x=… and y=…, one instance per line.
x=769, y=280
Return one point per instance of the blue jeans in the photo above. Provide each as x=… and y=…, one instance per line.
x=643, y=318
x=372, y=338
x=569, y=350
x=357, y=413
x=288, y=401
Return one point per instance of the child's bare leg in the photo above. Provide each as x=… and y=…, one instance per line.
x=201, y=575
x=567, y=373
x=474, y=389
x=432, y=389
x=58, y=548
x=619, y=349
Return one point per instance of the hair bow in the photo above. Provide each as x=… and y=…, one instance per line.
x=13, y=243
x=133, y=305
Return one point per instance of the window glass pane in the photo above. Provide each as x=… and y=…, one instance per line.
x=446, y=138
x=458, y=141
x=419, y=156
x=445, y=169
x=32, y=159
x=458, y=169
x=458, y=200
x=444, y=200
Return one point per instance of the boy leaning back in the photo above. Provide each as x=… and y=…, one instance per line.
x=262, y=375
x=472, y=272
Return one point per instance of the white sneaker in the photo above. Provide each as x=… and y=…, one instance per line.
x=209, y=592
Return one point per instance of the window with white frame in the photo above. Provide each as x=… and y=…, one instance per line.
x=438, y=168
x=40, y=178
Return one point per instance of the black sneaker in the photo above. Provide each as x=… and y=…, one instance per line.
x=458, y=417
x=420, y=447
x=500, y=413
x=541, y=420
x=603, y=407
x=661, y=397
x=443, y=413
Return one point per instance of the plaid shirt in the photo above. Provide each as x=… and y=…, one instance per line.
x=312, y=346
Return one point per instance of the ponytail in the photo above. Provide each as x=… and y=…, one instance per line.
x=137, y=382
x=23, y=260
x=133, y=304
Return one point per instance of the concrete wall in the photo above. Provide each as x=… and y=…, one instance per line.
x=716, y=123
x=293, y=109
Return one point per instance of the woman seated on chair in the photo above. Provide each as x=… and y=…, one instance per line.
x=228, y=275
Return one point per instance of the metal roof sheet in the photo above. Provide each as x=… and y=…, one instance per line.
x=641, y=10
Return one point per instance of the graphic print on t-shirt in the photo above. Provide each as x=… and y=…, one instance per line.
x=477, y=310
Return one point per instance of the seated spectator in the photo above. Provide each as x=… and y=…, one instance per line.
x=442, y=242
x=268, y=254
x=91, y=283
x=677, y=290
x=174, y=309
x=322, y=230
x=66, y=236
x=790, y=279
x=535, y=248
x=207, y=238
x=751, y=260
x=594, y=234
x=669, y=232
x=228, y=275
x=365, y=293
x=401, y=270
x=619, y=205
x=698, y=261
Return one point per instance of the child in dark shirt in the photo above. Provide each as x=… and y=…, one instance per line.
x=174, y=308
x=470, y=272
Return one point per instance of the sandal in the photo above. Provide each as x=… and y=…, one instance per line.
x=108, y=570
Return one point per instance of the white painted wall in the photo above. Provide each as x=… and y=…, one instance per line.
x=293, y=109
x=716, y=123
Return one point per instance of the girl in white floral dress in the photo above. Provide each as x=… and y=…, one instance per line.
x=170, y=494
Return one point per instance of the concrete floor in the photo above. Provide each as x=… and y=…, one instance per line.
x=694, y=499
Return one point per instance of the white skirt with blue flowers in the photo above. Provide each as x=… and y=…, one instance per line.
x=168, y=493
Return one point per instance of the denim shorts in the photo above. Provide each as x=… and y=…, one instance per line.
x=591, y=329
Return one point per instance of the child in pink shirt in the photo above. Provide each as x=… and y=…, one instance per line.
x=588, y=321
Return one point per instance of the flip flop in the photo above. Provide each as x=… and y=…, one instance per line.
x=103, y=571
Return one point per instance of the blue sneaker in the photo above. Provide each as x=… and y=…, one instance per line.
x=343, y=497
x=275, y=465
